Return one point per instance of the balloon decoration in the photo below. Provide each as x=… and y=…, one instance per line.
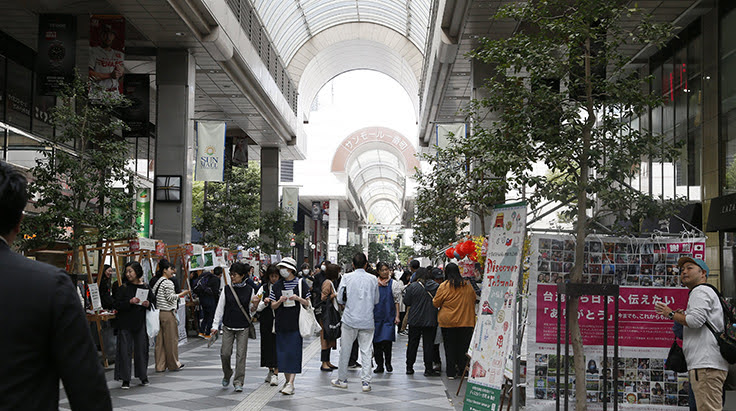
x=450, y=252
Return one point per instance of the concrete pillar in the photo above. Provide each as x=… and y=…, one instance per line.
x=175, y=76
x=269, y=178
x=332, y=231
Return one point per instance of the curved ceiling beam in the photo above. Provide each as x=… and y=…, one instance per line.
x=370, y=138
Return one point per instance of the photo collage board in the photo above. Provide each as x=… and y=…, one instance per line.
x=646, y=271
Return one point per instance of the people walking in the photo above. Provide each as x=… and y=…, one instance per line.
x=235, y=308
x=385, y=318
x=358, y=292
x=284, y=296
x=207, y=290
x=167, y=342
x=422, y=321
x=132, y=341
x=327, y=297
x=455, y=299
x=265, y=319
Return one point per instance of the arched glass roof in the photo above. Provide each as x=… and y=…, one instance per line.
x=291, y=23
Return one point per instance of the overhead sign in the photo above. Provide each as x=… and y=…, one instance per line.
x=57, y=37
x=290, y=201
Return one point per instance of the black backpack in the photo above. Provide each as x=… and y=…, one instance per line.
x=202, y=288
x=726, y=338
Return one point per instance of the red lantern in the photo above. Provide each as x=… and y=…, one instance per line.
x=467, y=247
x=450, y=252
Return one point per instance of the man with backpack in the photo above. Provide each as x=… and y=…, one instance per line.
x=207, y=289
x=706, y=366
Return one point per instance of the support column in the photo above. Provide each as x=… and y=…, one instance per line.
x=332, y=233
x=175, y=76
x=269, y=178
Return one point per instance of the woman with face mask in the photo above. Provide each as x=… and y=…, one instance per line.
x=285, y=295
x=265, y=319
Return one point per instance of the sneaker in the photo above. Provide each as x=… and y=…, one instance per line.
x=432, y=373
x=274, y=380
x=355, y=366
x=450, y=377
x=389, y=368
x=378, y=370
x=225, y=382
x=366, y=386
x=339, y=383
x=126, y=385
x=207, y=337
x=409, y=371
x=268, y=377
x=145, y=382
x=238, y=388
x=288, y=389
x=200, y=335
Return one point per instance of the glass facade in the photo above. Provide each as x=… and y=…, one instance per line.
x=728, y=138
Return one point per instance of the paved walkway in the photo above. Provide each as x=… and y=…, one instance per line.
x=198, y=387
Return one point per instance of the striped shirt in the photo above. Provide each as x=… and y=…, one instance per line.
x=292, y=285
x=165, y=293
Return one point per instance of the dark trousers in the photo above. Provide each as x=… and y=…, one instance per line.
x=382, y=353
x=354, y=353
x=132, y=345
x=427, y=334
x=325, y=355
x=457, y=341
x=209, y=305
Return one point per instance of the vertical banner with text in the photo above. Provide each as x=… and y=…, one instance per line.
x=57, y=37
x=290, y=201
x=137, y=115
x=210, y=164
x=492, y=337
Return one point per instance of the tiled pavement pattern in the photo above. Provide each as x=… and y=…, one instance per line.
x=198, y=387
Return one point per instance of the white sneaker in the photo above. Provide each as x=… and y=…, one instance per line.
x=268, y=377
x=339, y=383
x=288, y=389
x=366, y=386
x=274, y=380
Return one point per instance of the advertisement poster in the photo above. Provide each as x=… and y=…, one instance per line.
x=181, y=314
x=493, y=335
x=106, y=54
x=210, y=161
x=137, y=89
x=290, y=201
x=143, y=212
x=57, y=38
x=646, y=270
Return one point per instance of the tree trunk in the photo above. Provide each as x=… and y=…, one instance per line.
x=580, y=232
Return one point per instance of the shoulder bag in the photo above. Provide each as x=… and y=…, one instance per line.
x=331, y=320
x=251, y=327
x=307, y=322
x=153, y=324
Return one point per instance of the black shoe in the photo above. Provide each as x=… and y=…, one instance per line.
x=325, y=369
x=409, y=371
x=431, y=373
x=378, y=370
x=126, y=385
x=145, y=382
x=389, y=368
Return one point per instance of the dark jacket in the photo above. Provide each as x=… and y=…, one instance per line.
x=233, y=316
x=422, y=313
x=130, y=316
x=106, y=294
x=40, y=302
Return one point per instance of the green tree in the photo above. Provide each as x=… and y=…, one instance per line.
x=439, y=216
x=231, y=214
x=84, y=175
x=561, y=94
x=404, y=254
x=345, y=253
x=277, y=230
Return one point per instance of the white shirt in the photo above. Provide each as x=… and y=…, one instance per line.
x=105, y=61
x=699, y=345
x=165, y=293
x=362, y=296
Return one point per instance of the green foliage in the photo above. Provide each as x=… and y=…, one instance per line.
x=230, y=217
x=405, y=254
x=377, y=252
x=84, y=175
x=345, y=253
x=277, y=229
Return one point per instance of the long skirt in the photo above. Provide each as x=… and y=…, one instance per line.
x=268, y=342
x=289, y=351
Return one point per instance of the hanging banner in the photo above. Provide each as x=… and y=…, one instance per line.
x=137, y=89
x=443, y=133
x=290, y=201
x=647, y=272
x=210, y=151
x=106, y=54
x=493, y=334
x=143, y=212
x=57, y=38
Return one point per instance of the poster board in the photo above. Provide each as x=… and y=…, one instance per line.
x=646, y=270
x=492, y=338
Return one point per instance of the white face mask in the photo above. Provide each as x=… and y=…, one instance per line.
x=284, y=272
x=323, y=268
x=305, y=272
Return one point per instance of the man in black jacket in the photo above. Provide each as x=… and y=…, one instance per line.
x=422, y=321
x=40, y=301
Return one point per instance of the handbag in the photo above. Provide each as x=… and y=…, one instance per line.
x=153, y=324
x=331, y=320
x=251, y=327
x=676, y=359
x=307, y=322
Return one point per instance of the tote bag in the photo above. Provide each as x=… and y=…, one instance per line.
x=307, y=322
